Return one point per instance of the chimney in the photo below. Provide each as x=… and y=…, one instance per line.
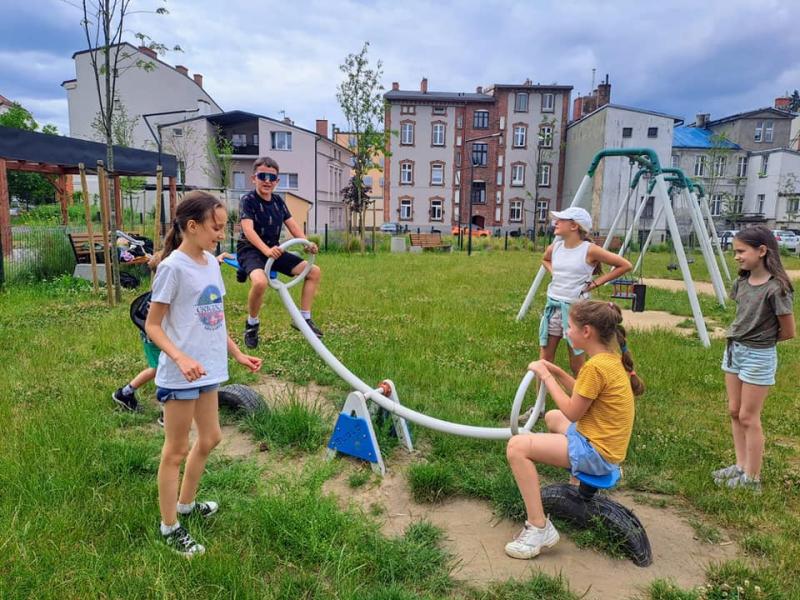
x=182, y=70
x=479, y=90
x=395, y=86
x=198, y=79
x=423, y=85
x=702, y=120
x=287, y=120
x=322, y=127
x=603, y=93
x=783, y=103
x=577, y=108
x=148, y=51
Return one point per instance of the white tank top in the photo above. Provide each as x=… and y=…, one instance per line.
x=571, y=272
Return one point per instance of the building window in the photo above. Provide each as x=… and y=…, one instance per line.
x=520, y=136
x=480, y=153
x=758, y=136
x=627, y=132
x=437, y=212
x=255, y=139
x=439, y=110
x=407, y=133
x=543, y=180
x=458, y=159
x=737, y=205
x=281, y=140
x=460, y=121
x=676, y=161
x=515, y=211
x=480, y=119
x=437, y=134
x=652, y=132
x=546, y=136
x=238, y=140
x=716, y=205
x=287, y=181
x=741, y=167
x=700, y=165
x=719, y=166
x=792, y=207
x=408, y=109
x=768, y=130
x=406, y=173
x=239, y=180
x=177, y=131
x=518, y=174
x=406, y=208
x=764, y=165
x=521, y=102
x=542, y=207
x=760, y=203
x=548, y=102
x=437, y=174
x=478, y=192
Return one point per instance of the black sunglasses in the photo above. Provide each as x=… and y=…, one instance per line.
x=264, y=176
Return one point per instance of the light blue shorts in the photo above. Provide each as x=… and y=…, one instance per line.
x=164, y=394
x=583, y=458
x=752, y=365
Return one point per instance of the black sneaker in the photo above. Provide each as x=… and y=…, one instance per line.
x=182, y=542
x=241, y=276
x=126, y=401
x=202, y=509
x=317, y=331
x=251, y=335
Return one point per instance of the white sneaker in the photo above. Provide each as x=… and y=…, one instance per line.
x=531, y=539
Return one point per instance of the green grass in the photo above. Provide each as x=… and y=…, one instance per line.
x=289, y=425
x=78, y=509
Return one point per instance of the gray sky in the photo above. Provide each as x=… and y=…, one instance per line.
x=679, y=57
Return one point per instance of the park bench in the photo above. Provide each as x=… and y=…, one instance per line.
x=428, y=241
x=80, y=246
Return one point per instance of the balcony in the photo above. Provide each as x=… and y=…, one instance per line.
x=249, y=149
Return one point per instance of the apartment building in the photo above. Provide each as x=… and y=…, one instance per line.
x=492, y=155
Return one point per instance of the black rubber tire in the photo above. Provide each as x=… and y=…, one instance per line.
x=564, y=502
x=242, y=398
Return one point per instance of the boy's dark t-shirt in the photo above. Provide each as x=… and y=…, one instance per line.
x=267, y=217
x=757, y=312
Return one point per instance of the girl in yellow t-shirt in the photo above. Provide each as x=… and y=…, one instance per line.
x=591, y=430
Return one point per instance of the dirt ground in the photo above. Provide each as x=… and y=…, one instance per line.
x=476, y=537
x=650, y=320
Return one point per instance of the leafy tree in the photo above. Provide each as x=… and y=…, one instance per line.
x=220, y=154
x=31, y=187
x=361, y=99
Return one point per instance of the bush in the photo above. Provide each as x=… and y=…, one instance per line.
x=40, y=254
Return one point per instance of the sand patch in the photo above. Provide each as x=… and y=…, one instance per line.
x=677, y=285
x=477, y=538
x=652, y=320
x=276, y=391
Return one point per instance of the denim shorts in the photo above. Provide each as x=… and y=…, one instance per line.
x=164, y=394
x=583, y=458
x=756, y=366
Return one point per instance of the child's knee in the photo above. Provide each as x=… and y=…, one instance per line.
x=749, y=419
x=552, y=418
x=517, y=447
x=734, y=412
x=315, y=274
x=258, y=284
x=209, y=440
x=175, y=454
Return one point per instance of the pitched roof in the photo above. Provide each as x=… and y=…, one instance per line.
x=698, y=137
x=781, y=114
x=395, y=95
x=630, y=108
x=4, y=100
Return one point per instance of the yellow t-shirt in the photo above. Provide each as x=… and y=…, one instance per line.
x=609, y=421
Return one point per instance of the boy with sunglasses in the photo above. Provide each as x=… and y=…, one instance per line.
x=262, y=215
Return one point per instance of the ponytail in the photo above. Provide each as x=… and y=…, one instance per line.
x=196, y=206
x=172, y=240
x=637, y=385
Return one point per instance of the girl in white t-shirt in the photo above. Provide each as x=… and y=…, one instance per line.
x=572, y=261
x=187, y=321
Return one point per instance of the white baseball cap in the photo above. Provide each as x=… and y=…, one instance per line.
x=577, y=214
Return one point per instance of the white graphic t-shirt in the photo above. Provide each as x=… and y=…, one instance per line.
x=195, y=322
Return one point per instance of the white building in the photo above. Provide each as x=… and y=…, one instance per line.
x=773, y=187
x=159, y=87
x=615, y=126
x=312, y=166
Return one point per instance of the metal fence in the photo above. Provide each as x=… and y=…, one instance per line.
x=36, y=253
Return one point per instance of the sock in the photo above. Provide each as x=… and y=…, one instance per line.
x=306, y=314
x=185, y=509
x=128, y=389
x=252, y=320
x=167, y=529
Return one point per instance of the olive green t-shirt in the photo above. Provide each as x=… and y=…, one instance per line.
x=757, y=310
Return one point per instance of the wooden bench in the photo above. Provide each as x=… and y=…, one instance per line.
x=428, y=241
x=80, y=247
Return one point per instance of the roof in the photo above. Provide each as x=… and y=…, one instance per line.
x=529, y=86
x=416, y=96
x=781, y=114
x=294, y=195
x=697, y=137
x=68, y=152
x=4, y=100
x=630, y=108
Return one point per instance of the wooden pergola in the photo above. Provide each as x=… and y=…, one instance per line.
x=59, y=156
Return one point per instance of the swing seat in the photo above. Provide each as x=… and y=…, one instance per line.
x=231, y=262
x=623, y=289
x=601, y=482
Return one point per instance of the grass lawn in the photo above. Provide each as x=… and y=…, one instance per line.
x=78, y=504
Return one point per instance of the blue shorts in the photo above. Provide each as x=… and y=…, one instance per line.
x=164, y=394
x=756, y=366
x=583, y=458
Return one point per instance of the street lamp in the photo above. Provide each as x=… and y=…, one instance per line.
x=471, y=178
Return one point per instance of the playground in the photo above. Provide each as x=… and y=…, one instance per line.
x=295, y=525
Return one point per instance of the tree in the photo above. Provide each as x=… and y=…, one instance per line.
x=103, y=24
x=717, y=159
x=542, y=152
x=31, y=187
x=361, y=99
x=220, y=154
x=789, y=188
